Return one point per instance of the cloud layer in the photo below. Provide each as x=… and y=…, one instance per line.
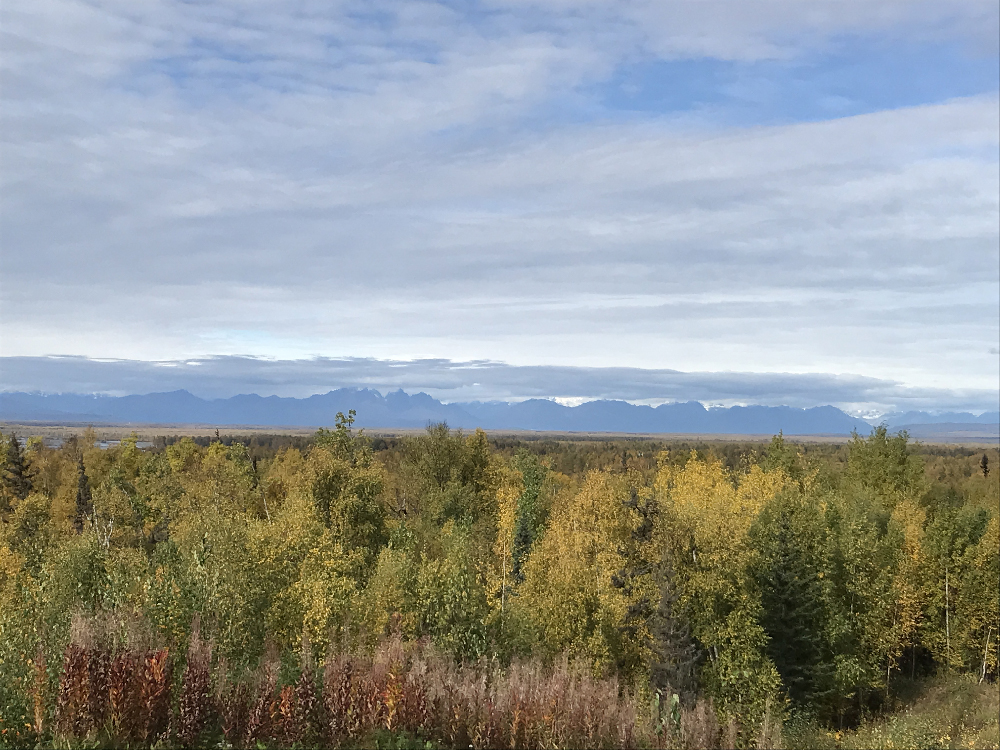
x=554, y=185
x=222, y=377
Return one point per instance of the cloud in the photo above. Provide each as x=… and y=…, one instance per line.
x=810, y=246
x=401, y=181
x=222, y=377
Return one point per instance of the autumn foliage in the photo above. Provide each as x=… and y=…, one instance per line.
x=400, y=689
x=453, y=590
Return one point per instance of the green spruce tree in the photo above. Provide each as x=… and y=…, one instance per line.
x=674, y=663
x=17, y=473
x=84, y=503
x=788, y=533
x=670, y=652
x=530, y=516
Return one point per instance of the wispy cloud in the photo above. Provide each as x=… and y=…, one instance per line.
x=672, y=186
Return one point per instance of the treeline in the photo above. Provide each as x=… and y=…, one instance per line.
x=696, y=594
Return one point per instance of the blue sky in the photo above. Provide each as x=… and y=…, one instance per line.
x=851, y=75
x=803, y=188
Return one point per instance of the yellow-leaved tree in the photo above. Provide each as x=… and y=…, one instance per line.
x=703, y=525
x=568, y=588
x=909, y=599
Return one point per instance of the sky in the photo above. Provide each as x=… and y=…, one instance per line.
x=801, y=194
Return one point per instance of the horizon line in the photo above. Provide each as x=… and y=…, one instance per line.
x=559, y=401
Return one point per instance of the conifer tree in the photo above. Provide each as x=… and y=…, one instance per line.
x=636, y=567
x=793, y=612
x=84, y=503
x=529, y=513
x=17, y=473
x=5, y=494
x=674, y=659
x=663, y=633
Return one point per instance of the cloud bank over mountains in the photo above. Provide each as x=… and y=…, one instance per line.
x=452, y=382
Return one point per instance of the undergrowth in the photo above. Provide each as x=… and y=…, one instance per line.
x=944, y=712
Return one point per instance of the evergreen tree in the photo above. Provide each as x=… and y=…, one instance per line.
x=789, y=574
x=84, y=504
x=663, y=633
x=674, y=662
x=530, y=516
x=636, y=566
x=17, y=474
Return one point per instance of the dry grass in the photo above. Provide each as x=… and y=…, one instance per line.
x=946, y=712
x=403, y=690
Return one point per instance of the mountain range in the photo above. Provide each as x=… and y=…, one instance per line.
x=401, y=410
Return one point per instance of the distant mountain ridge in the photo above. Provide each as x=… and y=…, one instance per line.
x=902, y=419
x=399, y=409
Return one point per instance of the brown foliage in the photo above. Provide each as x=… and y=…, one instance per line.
x=258, y=724
x=700, y=727
x=126, y=695
x=155, y=694
x=195, y=705
x=400, y=689
x=233, y=703
x=416, y=691
x=283, y=718
x=307, y=704
x=99, y=675
x=73, y=702
x=338, y=683
x=123, y=697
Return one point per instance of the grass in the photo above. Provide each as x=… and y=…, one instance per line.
x=944, y=712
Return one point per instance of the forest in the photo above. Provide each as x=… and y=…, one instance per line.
x=452, y=590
